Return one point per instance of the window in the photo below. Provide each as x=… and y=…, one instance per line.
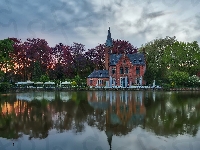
x=100, y=81
x=126, y=70
x=113, y=70
x=134, y=61
x=140, y=60
x=121, y=70
x=137, y=81
x=137, y=70
x=91, y=82
x=100, y=74
x=113, y=81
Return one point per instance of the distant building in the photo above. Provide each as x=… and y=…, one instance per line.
x=121, y=70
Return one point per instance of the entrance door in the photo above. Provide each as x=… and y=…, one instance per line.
x=122, y=81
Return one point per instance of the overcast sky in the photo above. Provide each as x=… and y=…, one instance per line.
x=87, y=21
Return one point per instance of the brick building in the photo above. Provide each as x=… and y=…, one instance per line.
x=121, y=70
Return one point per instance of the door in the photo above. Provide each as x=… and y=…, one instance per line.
x=123, y=81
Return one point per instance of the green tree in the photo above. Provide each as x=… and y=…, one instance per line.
x=78, y=80
x=178, y=78
x=154, y=50
x=6, y=48
x=44, y=78
x=37, y=72
x=193, y=81
x=183, y=57
x=1, y=76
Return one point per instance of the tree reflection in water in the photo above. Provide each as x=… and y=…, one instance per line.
x=115, y=112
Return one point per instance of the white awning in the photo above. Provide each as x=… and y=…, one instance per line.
x=49, y=82
x=38, y=83
x=66, y=82
x=29, y=82
x=21, y=83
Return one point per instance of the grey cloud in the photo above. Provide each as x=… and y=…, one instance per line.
x=6, y=7
x=197, y=22
x=11, y=23
x=155, y=14
x=64, y=20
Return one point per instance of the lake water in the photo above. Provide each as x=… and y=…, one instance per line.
x=100, y=120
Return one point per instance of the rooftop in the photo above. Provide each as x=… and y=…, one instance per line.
x=99, y=74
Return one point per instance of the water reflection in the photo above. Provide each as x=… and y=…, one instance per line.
x=119, y=111
x=116, y=113
x=173, y=114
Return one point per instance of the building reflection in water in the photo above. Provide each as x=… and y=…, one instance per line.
x=124, y=110
x=115, y=112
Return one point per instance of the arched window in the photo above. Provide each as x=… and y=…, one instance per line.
x=121, y=70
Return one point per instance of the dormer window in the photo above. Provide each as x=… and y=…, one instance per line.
x=140, y=60
x=100, y=74
x=113, y=70
x=134, y=60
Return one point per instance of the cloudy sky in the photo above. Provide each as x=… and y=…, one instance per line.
x=87, y=21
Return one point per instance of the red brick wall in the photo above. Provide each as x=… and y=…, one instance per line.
x=94, y=82
x=107, y=52
x=132, y=71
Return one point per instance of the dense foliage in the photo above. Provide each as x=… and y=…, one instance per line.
x=168, y=61
x=35, y=60
x=172, y=62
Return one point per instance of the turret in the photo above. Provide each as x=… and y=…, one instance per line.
x=108, y=49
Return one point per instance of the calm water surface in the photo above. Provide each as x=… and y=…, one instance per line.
x=100, y=120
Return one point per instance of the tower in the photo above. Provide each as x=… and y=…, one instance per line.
x=109, y=138
x=109, y=45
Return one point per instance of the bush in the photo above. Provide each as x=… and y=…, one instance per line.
x=193, y=81
x=178, y=78
x=166, y=86
x=44, y=78
x=74, y=83
x=4, y=86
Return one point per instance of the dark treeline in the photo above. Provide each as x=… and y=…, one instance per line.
x=35, y=60
x=171, y=63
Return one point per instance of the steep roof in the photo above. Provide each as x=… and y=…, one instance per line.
x=99, y=74
x=136, y=59
x=109, y=39
x=114, y=58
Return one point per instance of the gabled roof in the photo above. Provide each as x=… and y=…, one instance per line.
x=114, y=58
x=99, y=74
x=136, y=59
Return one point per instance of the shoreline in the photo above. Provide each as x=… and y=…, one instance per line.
x=101, y=89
